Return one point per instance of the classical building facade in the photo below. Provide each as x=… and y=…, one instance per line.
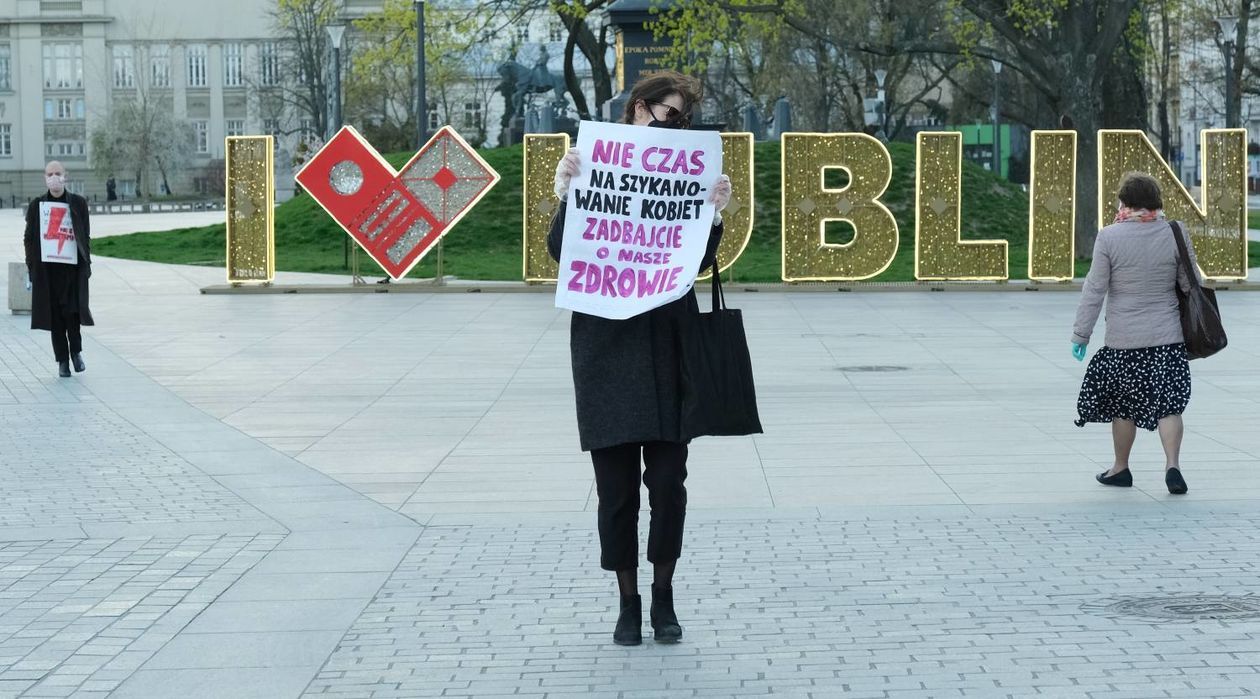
x=65, y=64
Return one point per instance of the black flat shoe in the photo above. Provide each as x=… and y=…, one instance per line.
x=1176, y=484
x=1124, y=479
x=665, y=625
x=63, y=369
x=629, y=631
x=77, y=360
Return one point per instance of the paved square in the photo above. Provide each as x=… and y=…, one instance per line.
x=382, y=495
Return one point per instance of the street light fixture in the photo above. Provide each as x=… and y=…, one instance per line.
x=996, y=113
x=1229, y=27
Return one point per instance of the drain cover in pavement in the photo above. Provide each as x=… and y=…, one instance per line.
x=872, y=368
x=1183, y=608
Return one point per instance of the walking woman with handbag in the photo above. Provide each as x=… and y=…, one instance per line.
x=1142, y=264
x=626, y=377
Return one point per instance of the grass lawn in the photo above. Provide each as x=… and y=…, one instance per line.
x=486, y=245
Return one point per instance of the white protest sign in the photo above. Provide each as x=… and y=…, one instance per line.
x=56, y=234
x=637, y=219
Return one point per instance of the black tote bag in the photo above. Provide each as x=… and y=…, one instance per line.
x=718, y=398
x=1200, y=316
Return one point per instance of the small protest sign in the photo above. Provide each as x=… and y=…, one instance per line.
x=56, y=238
x=638, y=218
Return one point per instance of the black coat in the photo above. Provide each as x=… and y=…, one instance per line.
x=41, y=302
x=627, y=374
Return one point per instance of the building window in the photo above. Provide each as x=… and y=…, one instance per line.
x=271, y=127
x=201, y=131
x=556, y=32
x=235, y=127
x=233, y=59
x=435, y=123
x=6, y=140
x=472, y=115
x=307, y=127
x=63, y=66
x=6, y=60
x=160, y=65
x=124, y=66
x=127, y=188
x=196, y=65
x=65, y=149
x=63, y=108
x=269, y=63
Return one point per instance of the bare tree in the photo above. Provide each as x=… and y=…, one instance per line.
x=305, y=62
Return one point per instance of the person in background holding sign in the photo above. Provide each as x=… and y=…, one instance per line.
x=626, y=376
x=1141, y=377
x=59, y=262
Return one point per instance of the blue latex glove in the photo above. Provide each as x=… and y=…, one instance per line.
x=1078, y=351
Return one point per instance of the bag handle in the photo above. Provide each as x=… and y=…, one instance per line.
x=1183, y=255
x=719, y=298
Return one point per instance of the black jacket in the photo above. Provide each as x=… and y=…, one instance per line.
x=627, y=373
x=41, y=304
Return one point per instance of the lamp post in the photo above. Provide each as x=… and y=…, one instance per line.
x=422, y=112
x=880, y=76
x=336, y=33
x=996, y=113
x=1228, y=26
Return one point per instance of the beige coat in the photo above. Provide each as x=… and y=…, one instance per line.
x=1135, y=268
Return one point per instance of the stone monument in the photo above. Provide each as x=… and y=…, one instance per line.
x=639, y=53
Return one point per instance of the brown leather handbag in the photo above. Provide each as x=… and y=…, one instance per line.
x=1200, y=315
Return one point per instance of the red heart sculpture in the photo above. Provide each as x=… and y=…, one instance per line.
x=397, y=217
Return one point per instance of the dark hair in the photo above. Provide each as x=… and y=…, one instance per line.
x=656, y=87
x=1139, y=190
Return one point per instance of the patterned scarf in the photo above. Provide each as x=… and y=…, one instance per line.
x=1125, y=214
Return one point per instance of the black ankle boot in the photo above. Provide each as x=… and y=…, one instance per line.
x=664, y=621
x=63, y=369
x=77, y=360
x=629, y=631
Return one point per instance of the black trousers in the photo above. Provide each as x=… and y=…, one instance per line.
x=66, y=335
x=617, y=484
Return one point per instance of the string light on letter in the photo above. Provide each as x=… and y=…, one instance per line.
x=808, y=204
x=1052, y=207
x=1219, y=226
x=250, y=203
x=940, y=253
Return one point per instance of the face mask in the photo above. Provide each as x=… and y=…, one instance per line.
x=55, y=181
x=657, y=124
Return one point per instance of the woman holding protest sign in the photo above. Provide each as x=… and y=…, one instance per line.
x=626, y=376
x=58, y=264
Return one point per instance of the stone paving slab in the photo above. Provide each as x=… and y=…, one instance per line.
x=81, y=615
x=406, y=472
x=911, y=605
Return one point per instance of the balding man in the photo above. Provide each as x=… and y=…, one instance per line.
x=59, y=261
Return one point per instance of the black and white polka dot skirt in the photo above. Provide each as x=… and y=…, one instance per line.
x=1142, y=385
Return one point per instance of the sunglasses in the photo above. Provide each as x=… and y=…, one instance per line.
x=672, y=115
